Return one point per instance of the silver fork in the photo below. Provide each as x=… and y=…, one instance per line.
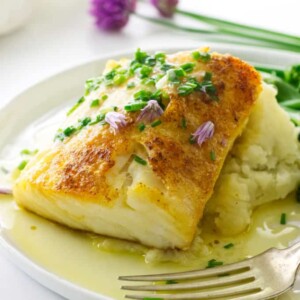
x=262, y=277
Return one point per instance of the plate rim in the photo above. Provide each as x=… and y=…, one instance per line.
x=13, y=253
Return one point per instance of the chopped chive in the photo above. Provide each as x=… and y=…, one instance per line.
x=166, y=67
x=203, y=56
x=214, y=263
x=135, y=106
x=29, y=152
x=84, y=122
x=130, y=85
x=104, y=97
x=171, y=281
x=142, y=95
x=283, y=219
x=141, y=127
x=192, y=140
x=22, y=165
x=298, y=194
x=144, y=71
x=188, y=67
x=299, y=137
x=119, y=79
x=155, y=123
x=98, y=119
x=95, y=103
x=81, y=100
x=187, y=87
x=183, y=123
x=212, y=155
x=160, y=57
x=228, y=246
x=139, y=160
x=69, y=131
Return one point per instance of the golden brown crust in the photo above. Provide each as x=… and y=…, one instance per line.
x=79, y=165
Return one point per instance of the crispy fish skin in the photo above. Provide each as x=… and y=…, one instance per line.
x=90, y=182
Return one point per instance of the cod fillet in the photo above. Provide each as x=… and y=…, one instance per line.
x=145, y=180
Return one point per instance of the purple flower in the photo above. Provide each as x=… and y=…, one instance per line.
x=150, y=112
x=204, y=132
x=5, y=191
x=115, y=120
x=112, y=14
x=165, y=7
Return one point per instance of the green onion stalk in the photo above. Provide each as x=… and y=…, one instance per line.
x=226, y=31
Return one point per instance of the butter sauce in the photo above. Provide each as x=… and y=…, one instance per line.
x=77, y=257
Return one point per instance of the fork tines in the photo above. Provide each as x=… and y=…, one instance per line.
x=231, y=280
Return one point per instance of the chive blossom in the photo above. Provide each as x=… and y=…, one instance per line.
x=115, y=120
x=139, y=160
x=204, y=132
x=283, y=219
x=150, y=112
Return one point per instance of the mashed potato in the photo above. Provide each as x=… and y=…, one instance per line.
x=263, y=165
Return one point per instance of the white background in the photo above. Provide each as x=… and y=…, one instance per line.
x=60, y=34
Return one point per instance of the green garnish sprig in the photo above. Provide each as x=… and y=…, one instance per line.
x=214, y=263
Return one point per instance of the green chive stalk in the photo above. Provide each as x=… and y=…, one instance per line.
x=232, y=32
x=245, y=30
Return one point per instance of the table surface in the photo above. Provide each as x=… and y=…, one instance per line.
x=61, y=34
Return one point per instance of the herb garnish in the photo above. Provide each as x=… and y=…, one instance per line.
x=203, y=56
x=214, y=263
x=171, y=281
x=81, y=100
x=212, y=155
x=135, y=106
x=22, y=165
x=283, y=219
x=95, y=103
x=188, y=67
x=183, y=123
x=298, y=194
x=155, y=123
x=141, y=127
x=228, y=246
x=29, y=152
x=139, y=160
x=130, y=85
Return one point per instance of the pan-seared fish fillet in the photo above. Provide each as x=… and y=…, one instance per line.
x=144, y=184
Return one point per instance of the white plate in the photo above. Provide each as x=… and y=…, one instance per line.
x=35, y=102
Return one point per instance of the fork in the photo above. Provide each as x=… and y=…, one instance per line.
x=262, y=277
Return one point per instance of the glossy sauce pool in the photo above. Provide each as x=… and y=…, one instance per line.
x=74, y=255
